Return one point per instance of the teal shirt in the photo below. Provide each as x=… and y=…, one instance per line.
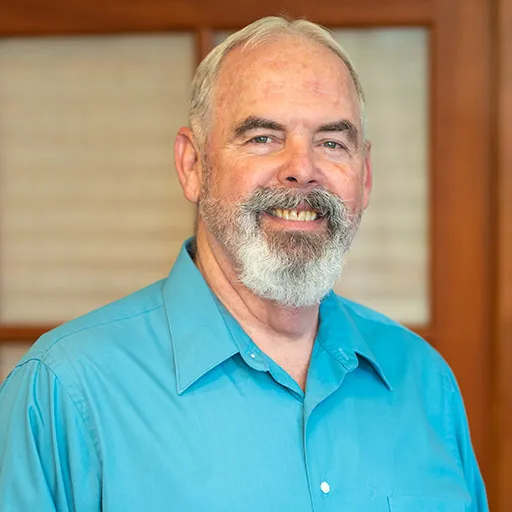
x=161, y=402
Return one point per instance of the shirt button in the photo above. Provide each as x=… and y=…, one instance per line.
x=325, y=487
x=253, y=355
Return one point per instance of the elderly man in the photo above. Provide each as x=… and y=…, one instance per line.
x=242, y=382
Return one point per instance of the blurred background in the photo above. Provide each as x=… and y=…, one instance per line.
x=91, y=97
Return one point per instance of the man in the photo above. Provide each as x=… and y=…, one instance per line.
x=242, y=382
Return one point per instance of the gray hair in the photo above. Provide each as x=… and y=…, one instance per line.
x=251, y=36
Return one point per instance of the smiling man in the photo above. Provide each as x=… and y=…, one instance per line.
x=242, y=382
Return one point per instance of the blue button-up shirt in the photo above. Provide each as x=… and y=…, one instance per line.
x=161, y=402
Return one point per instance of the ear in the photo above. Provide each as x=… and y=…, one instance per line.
x=367, y=174
x=188, y=164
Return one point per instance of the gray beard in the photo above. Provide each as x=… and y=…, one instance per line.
x=292, y=268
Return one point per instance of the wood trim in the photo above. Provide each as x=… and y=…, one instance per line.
x=205, y=41
x=425, y=332
x=503, y=318
x=22, y=333
x=461, y=205
x=59, y=17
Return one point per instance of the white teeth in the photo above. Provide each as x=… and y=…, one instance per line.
x=302, y=216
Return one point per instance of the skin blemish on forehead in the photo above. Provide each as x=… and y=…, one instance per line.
x=319, y=86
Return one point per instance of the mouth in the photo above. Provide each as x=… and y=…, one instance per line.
x=298, y=216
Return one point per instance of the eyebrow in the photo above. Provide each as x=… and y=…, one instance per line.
x=254, y=122
x=342, y=126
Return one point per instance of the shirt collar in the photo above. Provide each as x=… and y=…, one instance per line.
x=202, y=339
x=199, y=335
x=339, y=336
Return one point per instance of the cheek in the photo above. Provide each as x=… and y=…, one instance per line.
x=235, y=178
x=349, y=187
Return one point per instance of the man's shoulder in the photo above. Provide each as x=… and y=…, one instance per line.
x=100, y=330
x=396, y=347
x=370, y=320
x=365, y=315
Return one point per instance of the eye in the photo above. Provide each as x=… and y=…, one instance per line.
x=331, y=144
x=261, y=139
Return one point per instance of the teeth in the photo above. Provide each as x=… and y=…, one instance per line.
x=303, y=216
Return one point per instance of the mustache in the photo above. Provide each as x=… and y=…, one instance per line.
x=324, y=203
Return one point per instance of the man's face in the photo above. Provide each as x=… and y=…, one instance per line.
x=285, y=172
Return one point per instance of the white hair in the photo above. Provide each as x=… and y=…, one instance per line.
x=251, y=36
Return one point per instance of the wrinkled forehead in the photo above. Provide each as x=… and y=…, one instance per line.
x=280, y=69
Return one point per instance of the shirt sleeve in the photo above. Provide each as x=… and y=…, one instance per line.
x=47, y=457
x=467, y=456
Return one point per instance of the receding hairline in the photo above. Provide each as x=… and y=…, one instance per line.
x=257, y=34
x=277, y=39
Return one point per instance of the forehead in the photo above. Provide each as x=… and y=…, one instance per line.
x=286, y=74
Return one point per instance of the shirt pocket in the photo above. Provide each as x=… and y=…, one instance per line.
x=425, y=504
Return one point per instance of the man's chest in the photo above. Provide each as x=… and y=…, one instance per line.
x=261, y=451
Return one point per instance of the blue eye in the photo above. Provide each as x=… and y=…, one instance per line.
x=261, y=139
x=332, y=145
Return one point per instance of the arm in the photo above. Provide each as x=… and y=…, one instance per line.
x=48, y=461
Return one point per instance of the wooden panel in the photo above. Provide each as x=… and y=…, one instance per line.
x=461, y=204
x=21, y=333
x=503, y=361
x=204, y=43
x=76, y=16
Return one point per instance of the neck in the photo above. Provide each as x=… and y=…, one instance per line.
x=285, y=334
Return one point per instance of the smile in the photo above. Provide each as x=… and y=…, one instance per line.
x=302, y=216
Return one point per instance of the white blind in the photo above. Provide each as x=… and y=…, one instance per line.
x=388, y=265
x=90, y=206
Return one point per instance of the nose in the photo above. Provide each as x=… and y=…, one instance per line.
x=299, y=169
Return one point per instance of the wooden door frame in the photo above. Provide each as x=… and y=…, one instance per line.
x=502, y=418
x=461, y=204
x=65, y=17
